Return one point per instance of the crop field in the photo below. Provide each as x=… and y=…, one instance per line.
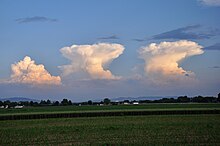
x=126, y=130
x=69, y=109
x=113, y=129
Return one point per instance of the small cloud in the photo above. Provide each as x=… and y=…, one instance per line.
x=138, y=40
x=186, y=33
x=216, y=67
x=35, y=19
x=27, y=72
x=215, y=3
x=112, y=37
x=213, y=47
x=187, y=75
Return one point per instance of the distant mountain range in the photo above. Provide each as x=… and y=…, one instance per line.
x=136, y=98
x=17, y=99
x=141, y=98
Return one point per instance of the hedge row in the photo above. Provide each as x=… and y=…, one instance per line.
x=103, y=114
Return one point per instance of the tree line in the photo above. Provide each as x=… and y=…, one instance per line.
x=185, y=99
x=107, y=101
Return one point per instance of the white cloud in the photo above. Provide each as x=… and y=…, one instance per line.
x=162, y=60
x=210, y=2
x=27, y=72
x=91, y=59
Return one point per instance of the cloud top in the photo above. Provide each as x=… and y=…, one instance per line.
x=162, y=60
x=27, y=72
x=91, y=59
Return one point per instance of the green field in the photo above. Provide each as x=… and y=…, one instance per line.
x=127, y=130
x=122, y=130
x=67, y=109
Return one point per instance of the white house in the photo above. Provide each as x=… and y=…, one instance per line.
x=19, y=106
x=126, y=103
x=135, y=103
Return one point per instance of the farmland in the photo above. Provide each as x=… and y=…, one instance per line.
x=69, y=109
x=119, y=129
x=132, y=130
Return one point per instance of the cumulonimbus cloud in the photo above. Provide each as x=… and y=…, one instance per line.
x=162, y=60
x=91, y=59
x=27, y=72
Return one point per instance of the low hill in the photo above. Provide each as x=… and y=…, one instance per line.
x=17, y=99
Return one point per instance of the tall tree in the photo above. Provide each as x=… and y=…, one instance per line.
x=90, y=102
x=107, y=101
x=65, y=102
x=48, y=101
x=218, y=97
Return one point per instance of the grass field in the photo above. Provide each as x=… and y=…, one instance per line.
x=123, y=130
x=66, y=109
x=127, y=130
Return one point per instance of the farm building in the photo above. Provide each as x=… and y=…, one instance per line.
x=19, y=106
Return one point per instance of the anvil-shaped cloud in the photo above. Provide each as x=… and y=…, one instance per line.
x=162, y=60
x=27, y=72
x=91, y=59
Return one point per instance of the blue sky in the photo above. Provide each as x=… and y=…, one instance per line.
x=39, y=29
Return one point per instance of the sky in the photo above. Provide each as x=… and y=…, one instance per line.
x=86, y=50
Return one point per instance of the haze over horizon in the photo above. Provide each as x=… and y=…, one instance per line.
x=86, y=50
